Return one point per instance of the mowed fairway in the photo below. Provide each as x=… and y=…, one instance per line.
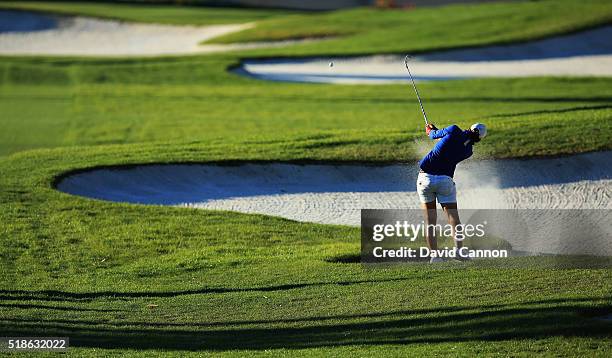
x=51, y=103
x=148, y=280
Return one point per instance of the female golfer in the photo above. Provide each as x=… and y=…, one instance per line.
x=435, y=180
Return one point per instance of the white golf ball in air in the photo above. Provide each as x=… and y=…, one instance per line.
x=331, y=64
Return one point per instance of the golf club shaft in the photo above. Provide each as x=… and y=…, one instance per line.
x=416, y=90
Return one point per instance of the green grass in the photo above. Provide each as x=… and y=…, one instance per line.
x=231, y=283
x=50, y=103
x=163, y=14
x=370, y=30
x=67, y=102
x=236, y=284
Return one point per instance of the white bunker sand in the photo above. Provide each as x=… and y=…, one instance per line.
x=21, y=33
x=587, y=53
x=334, y=194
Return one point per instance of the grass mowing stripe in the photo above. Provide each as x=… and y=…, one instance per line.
x=108, y=101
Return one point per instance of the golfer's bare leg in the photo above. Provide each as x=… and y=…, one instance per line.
x=453, y=219
x=430, y=219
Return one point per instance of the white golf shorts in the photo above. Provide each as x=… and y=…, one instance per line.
x=431, y=187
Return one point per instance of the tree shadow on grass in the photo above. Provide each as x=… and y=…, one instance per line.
x=56, y=295
x=530, y=320
x=550, y=111
x=57, y=308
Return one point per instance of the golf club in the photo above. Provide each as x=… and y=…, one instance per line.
x=415, y=89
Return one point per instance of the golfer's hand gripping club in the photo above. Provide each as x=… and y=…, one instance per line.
x=430, y=127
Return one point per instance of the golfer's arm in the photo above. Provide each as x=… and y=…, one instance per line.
x=437, y=133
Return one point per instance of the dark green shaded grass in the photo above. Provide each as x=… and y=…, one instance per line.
x=49, y=103
x=370, y=30
x=163, y=14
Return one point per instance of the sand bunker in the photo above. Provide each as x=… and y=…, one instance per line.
x=28, y=33
x=328, y=193
x=334, y=194
x=588, y=53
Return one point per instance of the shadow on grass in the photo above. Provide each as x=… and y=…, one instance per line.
x=563, y=110
x=27, y=306
x=590, y=313
x=530, y=320
x=56, y=295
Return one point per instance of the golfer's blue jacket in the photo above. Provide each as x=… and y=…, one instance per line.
x=454, y=147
